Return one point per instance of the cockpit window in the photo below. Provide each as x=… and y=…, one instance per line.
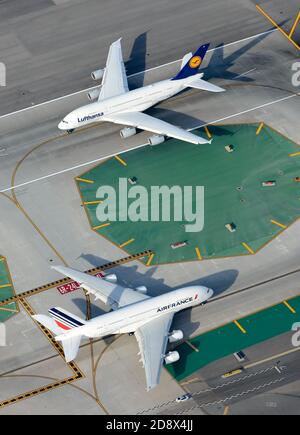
x=65, y=121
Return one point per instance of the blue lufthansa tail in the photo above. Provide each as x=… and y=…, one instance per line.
x=192, y=66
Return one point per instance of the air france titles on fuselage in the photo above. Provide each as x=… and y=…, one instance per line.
x=90, y=117
x=176, y=304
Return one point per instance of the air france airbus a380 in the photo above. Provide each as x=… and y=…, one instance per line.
x=134, y=312
x=119, y=105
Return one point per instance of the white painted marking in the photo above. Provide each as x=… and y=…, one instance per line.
x=54, y=174
x=246, y=73
x=135, y=74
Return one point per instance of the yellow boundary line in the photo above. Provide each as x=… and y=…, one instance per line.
x=93, y=202
x=278, y=27
x=126, y=243
x=101, y=226
x=84, y=180
x=248, y=248
x=226, y=410
x=240, y=326
x=150, y=260
x=260, y=128
x=198, y=253
x=5, y=285
x=289, y=307
x=294, y=155
x=121, y=160
x=209, y=135
x=278, y=224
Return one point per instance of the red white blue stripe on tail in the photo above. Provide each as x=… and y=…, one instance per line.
x=65, y=320
x=191, y=68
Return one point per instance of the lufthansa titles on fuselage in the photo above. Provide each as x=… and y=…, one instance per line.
x=90, y=117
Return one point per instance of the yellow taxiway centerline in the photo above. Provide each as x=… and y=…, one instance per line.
x=277, y=26
x=294, y=26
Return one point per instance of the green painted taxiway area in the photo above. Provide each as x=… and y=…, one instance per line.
x=233, y=337
x=6, y=291
x=233, y=193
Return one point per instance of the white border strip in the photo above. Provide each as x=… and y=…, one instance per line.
x=54, y=174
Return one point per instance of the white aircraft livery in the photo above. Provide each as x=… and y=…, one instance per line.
x=133, y=312
x=116, y=103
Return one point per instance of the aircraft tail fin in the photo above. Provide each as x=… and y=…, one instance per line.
x=63, y=325
x=192, y=64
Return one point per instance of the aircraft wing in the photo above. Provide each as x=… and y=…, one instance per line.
x=149, y=123
x=152, y=339
x=113, y=295
x=114, y=80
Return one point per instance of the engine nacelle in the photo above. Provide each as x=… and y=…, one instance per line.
x=97, y=75
x=127, y=132
x=156, y=139
x=172, y=357
x=111, y=278
x=175, y=335
x=142, y=289
x=93, y=94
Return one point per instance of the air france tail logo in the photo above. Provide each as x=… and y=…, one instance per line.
x=195, y=62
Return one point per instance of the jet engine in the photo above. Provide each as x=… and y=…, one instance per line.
x=175, y=335
x=97, y=75
x=142, y=289
x=127, y=132
x=172, y=357
x=111, y=278
x=156, y=139
x=93, y=94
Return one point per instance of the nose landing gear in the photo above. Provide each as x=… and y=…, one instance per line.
x=70, y=131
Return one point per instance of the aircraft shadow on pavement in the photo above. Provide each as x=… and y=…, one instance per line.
x=184, y=121
x=136, y=64
x=129, y=276
x=219, y=65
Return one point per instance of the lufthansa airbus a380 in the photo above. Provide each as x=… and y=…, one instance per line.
x=115, y=103
x=133, y=312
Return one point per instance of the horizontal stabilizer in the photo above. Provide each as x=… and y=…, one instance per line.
x=205, y=86
x=71, y=346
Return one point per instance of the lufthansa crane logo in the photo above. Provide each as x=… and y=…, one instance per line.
x=195, y=62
